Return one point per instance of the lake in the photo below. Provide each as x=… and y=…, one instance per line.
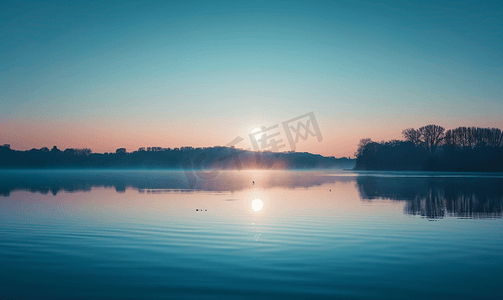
x=151, y=234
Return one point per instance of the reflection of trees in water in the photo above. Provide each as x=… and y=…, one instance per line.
x=431, y=197
x=434, y=197
x=431, y=206
x=157, y=181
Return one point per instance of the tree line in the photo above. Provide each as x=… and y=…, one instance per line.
x=432, y=148
x=167, y=158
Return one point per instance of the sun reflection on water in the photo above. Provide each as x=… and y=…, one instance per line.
x=257, y=204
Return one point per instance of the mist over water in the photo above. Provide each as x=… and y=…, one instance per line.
x=250, y=235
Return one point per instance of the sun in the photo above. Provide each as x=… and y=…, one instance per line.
x=257, y=204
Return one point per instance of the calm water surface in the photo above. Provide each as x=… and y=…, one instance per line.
x=291, y=235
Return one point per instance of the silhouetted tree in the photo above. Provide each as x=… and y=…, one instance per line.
x=432, y=135
x=55, y=149
x=412, y=135
x=460, y=149
x=361, y=146
x=474, y=137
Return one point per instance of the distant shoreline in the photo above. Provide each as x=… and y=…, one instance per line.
x=185, y=158
x=432, y=149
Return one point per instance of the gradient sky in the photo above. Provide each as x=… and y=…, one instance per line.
x=105, y=74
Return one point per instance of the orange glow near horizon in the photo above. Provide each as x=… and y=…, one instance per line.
x=107, y=136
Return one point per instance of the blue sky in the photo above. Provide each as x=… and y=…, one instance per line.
x=106, y=74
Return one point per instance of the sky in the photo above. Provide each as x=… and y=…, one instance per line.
x=112, y=74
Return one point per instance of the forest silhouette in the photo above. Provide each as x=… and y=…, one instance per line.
x=431, y=148
x=224, y=158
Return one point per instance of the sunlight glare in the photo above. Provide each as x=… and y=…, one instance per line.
x=257, y=204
